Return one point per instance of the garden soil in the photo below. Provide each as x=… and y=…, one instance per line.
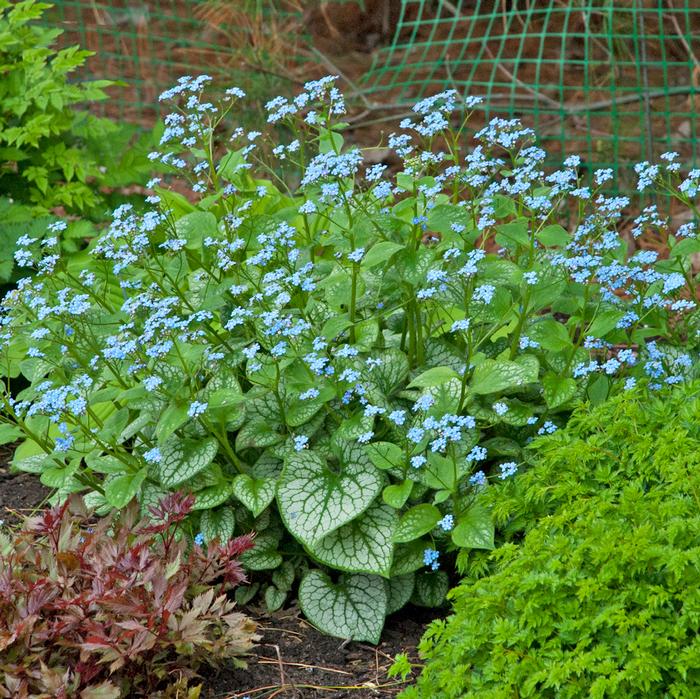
x=293, y=660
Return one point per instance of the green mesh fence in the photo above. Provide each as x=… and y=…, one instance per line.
x=614, y=81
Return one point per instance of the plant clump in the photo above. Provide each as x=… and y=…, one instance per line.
x=120, y=606
x=345, y=367
x=600, y=599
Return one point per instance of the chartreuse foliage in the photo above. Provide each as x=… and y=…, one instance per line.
x=601, y=598
x=340, y=368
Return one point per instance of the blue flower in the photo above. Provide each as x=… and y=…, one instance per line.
x=447, y=523
x=478, y=479
x=197, y=408
x=418, y=461
x=509, y=468
x=301, y=442
x=430, y=558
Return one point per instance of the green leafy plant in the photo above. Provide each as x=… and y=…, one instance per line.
x=344, y=367
x=119, y=607
x=599, y=598
x=52, y=154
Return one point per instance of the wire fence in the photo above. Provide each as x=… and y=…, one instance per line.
x=616, y=81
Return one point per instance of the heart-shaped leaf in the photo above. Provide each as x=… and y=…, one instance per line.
x=475, y=529
x=120, y=490
x=399, y=590
x=264, y=554
x=415, y=522
x=255, y=493
x=361, y=546
x=315, y=500
x=213, y=496
x=396, y=495
x=181, y=459
x=218, y=524
x=494, y=375
x=353, y=608
x=431, y=589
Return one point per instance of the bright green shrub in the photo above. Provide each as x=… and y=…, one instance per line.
x=602, y=598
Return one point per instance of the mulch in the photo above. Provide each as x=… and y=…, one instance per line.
x=292, y=660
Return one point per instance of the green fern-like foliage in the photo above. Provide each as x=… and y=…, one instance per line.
x=601, y=598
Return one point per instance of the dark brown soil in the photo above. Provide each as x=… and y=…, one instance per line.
x=294, y=660
x=20, y=493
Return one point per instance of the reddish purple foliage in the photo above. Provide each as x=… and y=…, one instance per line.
x=117, y=607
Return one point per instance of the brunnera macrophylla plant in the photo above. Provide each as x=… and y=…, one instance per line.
x=341, y=368
x=119, y=607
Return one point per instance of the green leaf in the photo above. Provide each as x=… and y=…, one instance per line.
x=558, y=389
x=354, y=608
x=218, y=524
x=415, y=522
x=32, y=464
x=441, y=218
x=335, y=325
x=264, y=554
x=408, y=557
x=174, y=416
x=446, y=397
x=551, y=335
x=439, y=473
x=385, y=455
x=245, y=593
x=380, y=252
x=255, y=493
x=225, y=398
x=301, y=411
x=181, y=459
x=9, y=433
x=499, y=272
x=554, y=236
x=283, y=577
x=195, y=227
x=329, y=141
x=315, y=500
x=513, y=234
x=431, y=589
x=366, y=334
x=274, y=598
x=604, y=322
x=495, y=375
x=120, y=490
x=687, y=246
x=475, y=529
x=398, y=591
x=30, y=457
x=396, y=495
x=257, y=434
x=434, y=377
x=213, y=496
x=598, y=389
x=361, y=546
x=391, y=372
